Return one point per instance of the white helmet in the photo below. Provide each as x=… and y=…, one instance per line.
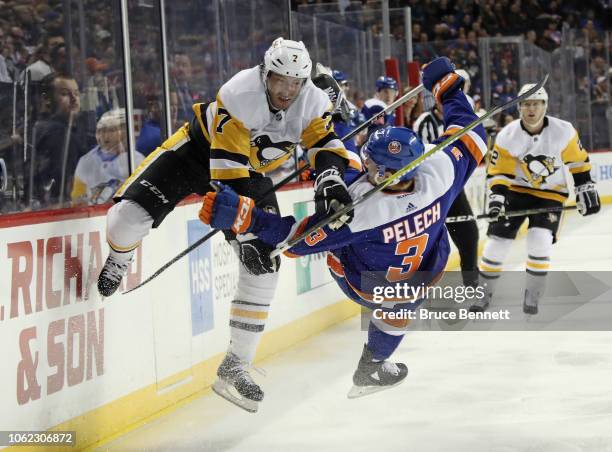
x=465, y=76
x=112, y=118
x=540, y=94
x=287, y=57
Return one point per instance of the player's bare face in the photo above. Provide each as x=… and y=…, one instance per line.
x=532, y=113
x=375, y=178
x=387, y=95
x=283, y=90
x=110, y=138
x=67, y=96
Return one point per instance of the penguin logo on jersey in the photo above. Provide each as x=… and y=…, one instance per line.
x=267, y=151
x=538, y=168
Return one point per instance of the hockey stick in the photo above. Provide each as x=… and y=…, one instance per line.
x=509, y=214
x=412, y=165
x=197, y=243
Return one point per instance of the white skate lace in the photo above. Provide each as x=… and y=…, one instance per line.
x=241, y=369
x=114, y=269
x=243, y=372
x=390, y=368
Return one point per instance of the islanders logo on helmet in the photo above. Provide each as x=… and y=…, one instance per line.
x=394, y=147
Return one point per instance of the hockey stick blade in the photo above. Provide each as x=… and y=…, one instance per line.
x=412, y=165
x=509, y=214
x=410, y=94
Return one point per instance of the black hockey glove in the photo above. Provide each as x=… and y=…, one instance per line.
x=327, y=83
x=255, y=255
x=331, y=195
x=496, y=207
x=587, y=199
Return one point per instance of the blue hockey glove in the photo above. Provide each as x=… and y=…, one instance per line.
x=225, y=209
x=440, y=78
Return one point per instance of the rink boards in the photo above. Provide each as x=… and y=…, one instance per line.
x=72, y=361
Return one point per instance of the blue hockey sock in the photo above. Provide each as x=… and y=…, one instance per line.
x=381, y=344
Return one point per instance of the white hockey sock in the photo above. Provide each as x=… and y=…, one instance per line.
x=249, y=311
x=127, y=223
x=539, y=246
x=495, y=251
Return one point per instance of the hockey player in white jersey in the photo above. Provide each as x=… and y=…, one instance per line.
x=526, y=172
x=257, y=119
x=101, y=171
x=397, y=236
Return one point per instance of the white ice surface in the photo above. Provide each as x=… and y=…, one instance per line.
x=466, y=391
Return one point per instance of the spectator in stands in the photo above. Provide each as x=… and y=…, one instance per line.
x=412, y=108
x=182, y=72
x=150, y=134
x=48, y=57
x=59, y=142
x=101, y=171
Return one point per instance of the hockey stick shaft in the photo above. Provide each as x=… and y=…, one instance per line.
x=509, y=214
x=410, y=94
x=400, y=101
x=391, y=107
x=412, y=165
x=203, y=239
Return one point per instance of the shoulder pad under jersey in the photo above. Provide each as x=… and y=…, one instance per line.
x=562, y=131
x=245, y=99
x=507, y=136
x=311, y=103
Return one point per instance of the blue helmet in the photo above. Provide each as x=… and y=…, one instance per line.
x=339, y=76
x=392, y=148
x=383, y=82
x=357, y=118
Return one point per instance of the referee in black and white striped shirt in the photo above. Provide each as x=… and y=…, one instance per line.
x=429, y=126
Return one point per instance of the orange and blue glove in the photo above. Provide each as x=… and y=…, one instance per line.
x=440, y=78
x=225, y=209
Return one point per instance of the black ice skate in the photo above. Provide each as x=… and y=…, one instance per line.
x=374, y=376
x=236, y=385
x=530, y=303
x=112, y=273
x=481, y=305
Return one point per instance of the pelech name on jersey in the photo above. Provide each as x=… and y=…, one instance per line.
x=413, y=225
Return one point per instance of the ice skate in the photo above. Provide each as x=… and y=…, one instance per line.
x=374, y=376
x=114, y=270
x=530, y=303
x=235, y=384
x=482, y=304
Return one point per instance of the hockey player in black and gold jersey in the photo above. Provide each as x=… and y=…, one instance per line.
x=527, y=171
x=252, y=127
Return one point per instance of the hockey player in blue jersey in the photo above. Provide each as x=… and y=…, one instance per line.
x=343, y=110
x=386, y=92
x=396, y=233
